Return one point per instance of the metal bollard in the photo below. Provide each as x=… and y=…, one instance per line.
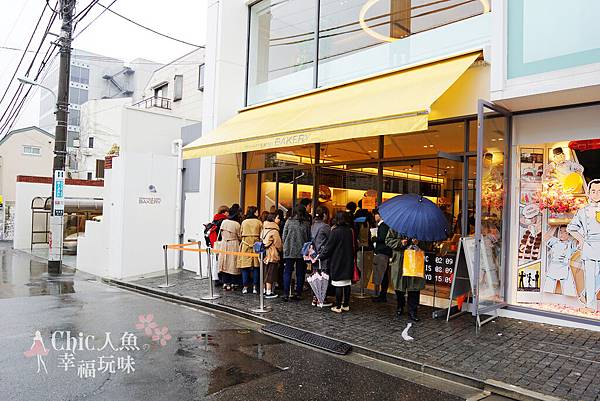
x=362, y=274
x=166, y=284
x=261, y=294
x=198, y=275
x=211, y=291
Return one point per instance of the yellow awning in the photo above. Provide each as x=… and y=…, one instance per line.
x=394, y=103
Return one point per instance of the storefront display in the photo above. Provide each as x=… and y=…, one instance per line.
x=559, y=227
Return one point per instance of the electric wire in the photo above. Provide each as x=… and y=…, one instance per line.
x=92, y=21
x=150, y=29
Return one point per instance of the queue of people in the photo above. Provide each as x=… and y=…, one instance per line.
x=334, y=240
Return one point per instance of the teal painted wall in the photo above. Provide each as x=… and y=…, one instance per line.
x=550, y=35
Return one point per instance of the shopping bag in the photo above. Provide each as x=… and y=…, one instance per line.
x=413, y=264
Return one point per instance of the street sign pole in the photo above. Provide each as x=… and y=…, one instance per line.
x=60, y=138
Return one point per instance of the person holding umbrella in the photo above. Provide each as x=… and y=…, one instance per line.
x=339, y=252
x=411, y=218
x=404, y=284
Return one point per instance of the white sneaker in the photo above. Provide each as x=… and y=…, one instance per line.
x=244, y=290
x=271, y=295
x=254, y=290
x=346, y=308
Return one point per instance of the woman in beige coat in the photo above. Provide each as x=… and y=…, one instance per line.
x=250, y=233
x=273, y=248
x=230, y=242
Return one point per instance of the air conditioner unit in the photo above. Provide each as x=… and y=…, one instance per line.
x=76, y=143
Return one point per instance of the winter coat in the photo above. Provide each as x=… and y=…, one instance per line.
x=272, y=240
x=401, y=283
x=250, y=233
x=295, y=235
x=230, y=241
x=339, y=252
x=319, y=233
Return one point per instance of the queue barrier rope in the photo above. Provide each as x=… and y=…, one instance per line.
x=209, y=251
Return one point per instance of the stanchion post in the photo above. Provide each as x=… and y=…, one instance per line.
x=198, y=275
x=261, y=308
x=362, y=273
x=166, y=284
x=211, y=291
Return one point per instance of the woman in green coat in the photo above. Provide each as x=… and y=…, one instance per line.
x=402, y=284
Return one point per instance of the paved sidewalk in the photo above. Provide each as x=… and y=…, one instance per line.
x=557, y=361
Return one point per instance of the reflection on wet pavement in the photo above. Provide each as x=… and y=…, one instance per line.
x=20, y=276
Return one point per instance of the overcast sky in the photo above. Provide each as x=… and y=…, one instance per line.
x=109, y=35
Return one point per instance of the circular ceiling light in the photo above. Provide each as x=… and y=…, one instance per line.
x=384, y=38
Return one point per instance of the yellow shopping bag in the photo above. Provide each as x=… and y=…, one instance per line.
x=413, y=264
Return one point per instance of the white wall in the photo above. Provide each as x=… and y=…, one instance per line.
x=128, y=242
x=223, y=97
x=13, y=162
x=102, y=120
x=27, y=191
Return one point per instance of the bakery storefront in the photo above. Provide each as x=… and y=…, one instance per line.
x=555, y=235
x=413, y=130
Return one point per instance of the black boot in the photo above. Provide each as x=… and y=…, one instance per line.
x=413, y=302
x=401, y=301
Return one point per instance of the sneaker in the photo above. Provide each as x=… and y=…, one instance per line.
x=346, y=308
x=285, y=299
x=325, y=304
x=244, y=290
x=336, y=309
x=314, y=301
x=254, y=290
x=271, y=296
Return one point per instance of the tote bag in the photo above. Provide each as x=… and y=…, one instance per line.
x=413, y=264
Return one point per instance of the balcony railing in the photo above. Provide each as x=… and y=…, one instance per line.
x=160, y=102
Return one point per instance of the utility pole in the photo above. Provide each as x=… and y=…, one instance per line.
x=60, y=139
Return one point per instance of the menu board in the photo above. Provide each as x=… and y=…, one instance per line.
x=439, y=269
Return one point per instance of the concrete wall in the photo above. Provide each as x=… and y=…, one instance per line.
x=13, y=162
x=26, y=191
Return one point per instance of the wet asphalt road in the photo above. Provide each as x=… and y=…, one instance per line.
x=202, y=357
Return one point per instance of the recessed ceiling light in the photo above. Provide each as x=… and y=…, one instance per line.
x=500, y=139
x=424, y=146
x=431, y=146
x=493, y=139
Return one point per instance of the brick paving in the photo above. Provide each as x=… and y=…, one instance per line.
x=558, y=361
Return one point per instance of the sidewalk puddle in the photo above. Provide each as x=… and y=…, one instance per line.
x=220, y=353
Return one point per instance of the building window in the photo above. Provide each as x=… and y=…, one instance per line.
x=77, y=96
x=89, y=175
x=91, y=142
x=282, y=44
x=178, y=88
x=80, y=75
x=201, y=70
x=74, y=117
x=32, y=150
x=161, y=91
x=100, y=168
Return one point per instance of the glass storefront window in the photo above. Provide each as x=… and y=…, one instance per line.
x=282, y=49
x=557, y=202
x=351, y=150
x=447, y=138
x=282, y=157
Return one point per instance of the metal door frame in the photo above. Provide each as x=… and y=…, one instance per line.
x=481, y=106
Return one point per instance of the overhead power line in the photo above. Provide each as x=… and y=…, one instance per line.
x=149, y=29
x=92, y=21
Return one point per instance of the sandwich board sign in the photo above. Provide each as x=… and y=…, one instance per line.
x=463, y=282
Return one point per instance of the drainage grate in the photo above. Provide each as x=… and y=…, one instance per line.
x=305, y=337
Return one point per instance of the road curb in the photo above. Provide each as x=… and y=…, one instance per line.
x=493, y=386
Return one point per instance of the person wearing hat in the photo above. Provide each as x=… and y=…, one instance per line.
x=559, y=168
x=585, y=228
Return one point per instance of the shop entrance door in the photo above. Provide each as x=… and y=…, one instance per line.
x=491, y=211
x=283, y=189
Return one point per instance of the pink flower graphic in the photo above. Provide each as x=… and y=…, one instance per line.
x=161, y=336
x=147, y=324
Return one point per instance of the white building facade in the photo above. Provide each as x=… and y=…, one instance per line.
x=297, y=57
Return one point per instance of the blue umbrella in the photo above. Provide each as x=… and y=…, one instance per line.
x=415, y=217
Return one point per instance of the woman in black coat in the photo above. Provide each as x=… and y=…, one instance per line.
x=339, y=252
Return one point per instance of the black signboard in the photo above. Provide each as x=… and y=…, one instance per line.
x=439, y=269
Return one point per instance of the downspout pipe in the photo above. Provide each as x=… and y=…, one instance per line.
x=177, y=150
